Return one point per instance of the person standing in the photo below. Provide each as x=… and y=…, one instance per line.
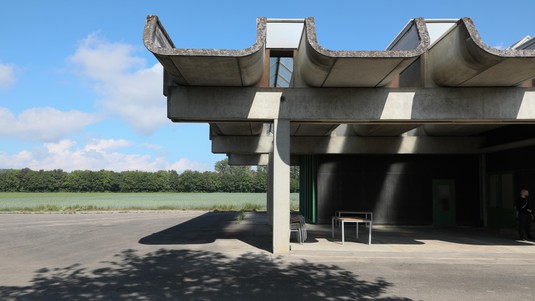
x=524, y=215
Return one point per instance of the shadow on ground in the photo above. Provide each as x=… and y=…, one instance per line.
x=255, y=231
x=199, y=275
x=212, y=226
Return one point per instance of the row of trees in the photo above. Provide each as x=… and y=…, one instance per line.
x=225, y=178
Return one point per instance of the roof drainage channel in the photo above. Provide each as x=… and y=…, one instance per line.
x=207, y=67
x=320, y=67
x=461, y=59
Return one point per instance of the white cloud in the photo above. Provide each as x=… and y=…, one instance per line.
x=98, y=154
x=126, y=87
x=7, y=76
x=44, y=124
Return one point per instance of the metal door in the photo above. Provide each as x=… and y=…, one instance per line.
x=444, y=202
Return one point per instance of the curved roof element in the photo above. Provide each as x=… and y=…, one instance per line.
x=461, y=58
x=320, y=67
x=207, y=67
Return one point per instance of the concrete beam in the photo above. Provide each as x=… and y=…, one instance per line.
x=281, y=186
x=382, y=130
x=242, y=145
x=386, y=145
x=248, y=160
x=237, y=128
x=351, y=145
x=352, y=105
x=257, y=159
x=312, y=129
x=508, y=146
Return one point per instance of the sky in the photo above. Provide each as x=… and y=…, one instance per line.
x=79, y=91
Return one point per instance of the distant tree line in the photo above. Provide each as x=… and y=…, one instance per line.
x=225, y=178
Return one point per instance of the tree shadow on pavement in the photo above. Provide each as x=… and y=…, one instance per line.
x=199, y=275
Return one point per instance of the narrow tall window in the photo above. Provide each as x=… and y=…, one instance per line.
x=280, y=71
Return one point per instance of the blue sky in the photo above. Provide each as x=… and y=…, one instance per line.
x=78, y=90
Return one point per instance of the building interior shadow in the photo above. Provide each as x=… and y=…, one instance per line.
x=417, y=235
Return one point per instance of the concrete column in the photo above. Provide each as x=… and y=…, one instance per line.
x=269, y=205
x=281, y=186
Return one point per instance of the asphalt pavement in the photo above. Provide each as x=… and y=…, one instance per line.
x=198, y=255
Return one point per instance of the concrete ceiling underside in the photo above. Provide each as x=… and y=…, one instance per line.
x=458, y=58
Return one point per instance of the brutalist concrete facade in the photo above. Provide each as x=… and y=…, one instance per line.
x=428, y=131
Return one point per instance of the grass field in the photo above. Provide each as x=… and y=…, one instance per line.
x=72, y=202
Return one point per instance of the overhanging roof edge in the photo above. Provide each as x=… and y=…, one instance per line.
x=311, y=38
x=150, y=41
x=207, y=67
x=461, y=58
x=505, y=53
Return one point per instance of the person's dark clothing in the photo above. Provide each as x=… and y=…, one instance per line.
x=524, y=218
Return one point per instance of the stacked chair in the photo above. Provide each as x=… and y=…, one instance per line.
x=297, y=224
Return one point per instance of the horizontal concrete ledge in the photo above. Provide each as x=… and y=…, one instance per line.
x=353, y=105
x=244, y=159
x=508, y=146
x=350, y=145
x=257, y=159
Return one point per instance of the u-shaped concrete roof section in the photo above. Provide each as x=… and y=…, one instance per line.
x=461, y=59
x=207, y=67
x=320, y=67
x=458, y=58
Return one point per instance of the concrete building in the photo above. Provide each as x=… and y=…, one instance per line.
x=438, y=129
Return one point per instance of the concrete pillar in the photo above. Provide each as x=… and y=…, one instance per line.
x=281, y=186
x=269, y=205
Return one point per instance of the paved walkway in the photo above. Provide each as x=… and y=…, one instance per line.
x=423, y=243
x=196, y=255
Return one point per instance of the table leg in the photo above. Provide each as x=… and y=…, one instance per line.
x=332, y=227
x=343, y=234
x=357, y=228
x=370, y=233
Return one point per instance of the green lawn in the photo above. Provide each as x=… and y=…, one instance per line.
x=65, y=201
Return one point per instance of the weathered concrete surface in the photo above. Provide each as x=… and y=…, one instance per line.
x=320, y=67
x=356, y=105
x=461, y=58
x=351, y=145
x=207, y=67
x=179, y=255
x=218, y=87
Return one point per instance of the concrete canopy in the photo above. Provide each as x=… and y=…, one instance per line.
x=415, y=97
x=456, y=58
